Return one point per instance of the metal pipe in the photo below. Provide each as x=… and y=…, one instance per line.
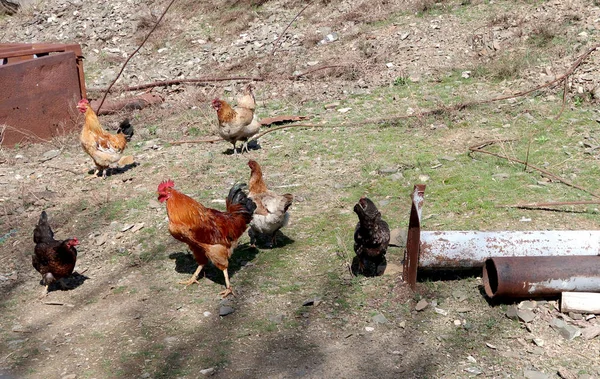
x=529, y=277
x=467, y=249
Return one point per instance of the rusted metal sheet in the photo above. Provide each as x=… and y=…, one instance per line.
x=466, y=249
x=413, y=238
x=519, y=277
x=281, y=119
x=45, y=83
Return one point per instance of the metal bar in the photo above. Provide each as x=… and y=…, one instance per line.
x=465, y=249
x=413, y=238
x=530, y=277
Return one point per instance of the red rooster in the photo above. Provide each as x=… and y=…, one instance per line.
x=209, y=233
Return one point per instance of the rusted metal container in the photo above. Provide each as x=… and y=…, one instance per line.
x=40, y=86
x=519, y=277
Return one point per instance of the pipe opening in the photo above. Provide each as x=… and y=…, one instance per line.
x=490, y=278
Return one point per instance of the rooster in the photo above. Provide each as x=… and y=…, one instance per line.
x=53, y=259
x=104, y=148
x=209, y=233
x=239, y=123
x=371, y=238
x=271, y=209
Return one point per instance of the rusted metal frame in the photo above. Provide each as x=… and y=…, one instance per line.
x=15, y=53
x=413, y=238
x=520, y=277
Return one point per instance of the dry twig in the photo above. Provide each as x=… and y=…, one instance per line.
x=132, y=54
x=276, y=43
x=477, y=149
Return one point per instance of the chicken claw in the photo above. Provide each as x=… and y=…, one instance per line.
x=226, y=292
x=193, y=279
x=190, y=281
x=44, y=294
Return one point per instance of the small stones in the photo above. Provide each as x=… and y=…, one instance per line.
x=421, y=305
x=525, y=315
x=310, y=302
x=225, y=310
x=569, y=332
x=207, y=371
x=369, y=328
x=591, y=332
x=532, y=374
x=379, y=319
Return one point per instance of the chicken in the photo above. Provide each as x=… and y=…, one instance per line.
x=271, y=212
x=53, y=259
x=239, y=123
x=371, y=239
x=209, y=233
x=104, y=148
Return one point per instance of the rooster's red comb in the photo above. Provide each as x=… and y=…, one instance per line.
x=165, y=184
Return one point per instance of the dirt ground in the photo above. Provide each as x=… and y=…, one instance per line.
x=298, y=312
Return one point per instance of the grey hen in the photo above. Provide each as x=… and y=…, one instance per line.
x=371, y=239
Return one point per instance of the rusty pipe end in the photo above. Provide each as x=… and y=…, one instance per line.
x=490, y=278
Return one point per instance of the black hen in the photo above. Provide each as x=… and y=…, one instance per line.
x=371, y=239
x=53, y=259
x=126, y=128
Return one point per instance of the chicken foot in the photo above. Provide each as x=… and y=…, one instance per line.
x=194, y=278
x=228, y=290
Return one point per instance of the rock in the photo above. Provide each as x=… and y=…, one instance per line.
x=396, y=177
x=566, y=374
x=344, y=110
x=369, y=328
x=441, y=311
x=49, y=155
x=379, y=319
x=465, y=74
x=225, y=310
x=421, y=305
x=568, y=332
x=493, y=347
x=402, y=324
x=525, y=315
x=332, y=105
x=527, y=304
x=538, y=341
x=206, y=314
x=398, y=237
x=70, y=376
x=576, y=316
x=473, y=370
x=207, y=371
x=591, y=332
x=511, y=313
x=459, y=295
x=532, y=374
x=127, y=227
x=316, y=301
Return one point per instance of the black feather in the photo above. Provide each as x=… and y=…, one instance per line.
x=126, y=128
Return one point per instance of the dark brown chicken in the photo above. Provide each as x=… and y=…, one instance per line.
x=53, y=259
x=371, y=239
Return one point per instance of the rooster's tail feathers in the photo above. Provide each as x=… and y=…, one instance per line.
x=42, y=231
x=126, y=128
x=238, y=201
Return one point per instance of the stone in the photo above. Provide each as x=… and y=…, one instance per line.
x=527, y=304
x=379, y=319
x=566, y=374
x=511, y=313
x=532, y=374
x=310, y=302
x=569, y=332
x=474, y=370
x=207, y=371
x=441, y=311
x=369, y=328
x=591, y=332
x=525, y=315
x=225, y=310
x=398, y=237
x=70, y=376
x=421, y=305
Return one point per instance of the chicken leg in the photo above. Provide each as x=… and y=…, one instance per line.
x=45, y=293
x=194, y=278
x=228, y=290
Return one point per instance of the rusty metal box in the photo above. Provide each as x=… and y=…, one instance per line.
x=40, y=84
